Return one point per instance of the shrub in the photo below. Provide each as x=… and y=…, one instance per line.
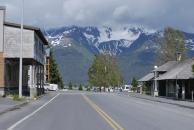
x=17, y=98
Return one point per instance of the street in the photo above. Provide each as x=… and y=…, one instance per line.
x=97, y=111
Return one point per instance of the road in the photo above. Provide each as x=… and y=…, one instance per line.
x=98, y=111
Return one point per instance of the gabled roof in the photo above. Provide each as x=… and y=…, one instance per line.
x=181, y=70
x=147, y=77
x=173, y=70
x=37, y=30
x=167, y=66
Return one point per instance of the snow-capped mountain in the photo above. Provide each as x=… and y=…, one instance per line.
x=134, y=46
x=104, y=39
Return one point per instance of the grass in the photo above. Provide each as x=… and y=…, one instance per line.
x=17, y=98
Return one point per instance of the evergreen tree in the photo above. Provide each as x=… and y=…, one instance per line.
x=70, y=86
x=171, y=45
x=104, y=72
x=134, y=84
x=80, y=87
x=55, y=76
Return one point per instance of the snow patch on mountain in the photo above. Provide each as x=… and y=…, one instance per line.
x=118, y=35
x=190, y=44
x=90, y=38
x=56, y=40
x=127, y=34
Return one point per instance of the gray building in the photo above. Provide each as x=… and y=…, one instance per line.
x=174, y=79
x=34, y=56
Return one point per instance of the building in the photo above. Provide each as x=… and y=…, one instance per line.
x=47, y=66
x=174, y=79
x=34, y=44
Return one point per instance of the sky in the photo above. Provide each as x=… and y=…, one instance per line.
x=154, y=14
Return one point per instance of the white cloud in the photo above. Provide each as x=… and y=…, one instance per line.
x=151, y=13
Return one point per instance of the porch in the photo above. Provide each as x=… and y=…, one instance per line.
x=179, y=89
x=33, y=77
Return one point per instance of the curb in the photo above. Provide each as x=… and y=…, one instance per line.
x=176, y=104
x=18, y=106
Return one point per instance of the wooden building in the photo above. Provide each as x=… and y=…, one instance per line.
x=174, y=79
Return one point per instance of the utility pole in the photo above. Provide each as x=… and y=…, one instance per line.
x=21, y=49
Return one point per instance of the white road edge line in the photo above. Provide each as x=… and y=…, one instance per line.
x=28, y=116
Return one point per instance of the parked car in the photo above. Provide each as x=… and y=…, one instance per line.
x=126, y=88
x=111, y=90
x=50, y=87
x=95, y=89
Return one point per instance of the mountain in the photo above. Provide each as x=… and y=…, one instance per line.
x=134, y=47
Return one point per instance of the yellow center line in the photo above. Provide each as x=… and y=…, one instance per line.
x=104, y=115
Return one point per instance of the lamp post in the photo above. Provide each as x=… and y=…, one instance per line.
x=155, y=82
x=21, y=50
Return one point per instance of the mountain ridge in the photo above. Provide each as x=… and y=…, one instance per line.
x=134, y=47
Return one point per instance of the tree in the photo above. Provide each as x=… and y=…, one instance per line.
x=145, y=89
x=193, y=68
x=172, y=44
x=134, y=84
x=104, y=72
x=55, y=76
x=80, y=87
x=70, y=86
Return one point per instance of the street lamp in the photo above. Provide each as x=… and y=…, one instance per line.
x=21, y=50
x=155, y=82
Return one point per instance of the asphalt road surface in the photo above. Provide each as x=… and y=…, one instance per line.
x=98, y=111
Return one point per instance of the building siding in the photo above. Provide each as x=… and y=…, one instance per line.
x=2, y=63
x=12, y=43
x=2, y=18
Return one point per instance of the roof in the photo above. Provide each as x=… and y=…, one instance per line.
x=167, y=66
x=147, y=77
x=181, y=70
x=36, y=29
x=2, y=7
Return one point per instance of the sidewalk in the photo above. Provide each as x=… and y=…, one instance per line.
x=7, y=104
x=180, y=103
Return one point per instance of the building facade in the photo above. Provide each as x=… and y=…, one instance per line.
x=174, y=79
x=47, y=66
x=33, y=54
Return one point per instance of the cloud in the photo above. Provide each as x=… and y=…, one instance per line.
x=150, y=13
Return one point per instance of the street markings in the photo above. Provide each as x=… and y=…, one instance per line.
x=28, y=116
x=104, y=115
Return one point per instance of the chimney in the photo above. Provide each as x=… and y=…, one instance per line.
x=2, y=20
x=179, y=56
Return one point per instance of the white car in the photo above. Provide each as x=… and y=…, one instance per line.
x=111, y=90
x=126, y=88
x=51, y=87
